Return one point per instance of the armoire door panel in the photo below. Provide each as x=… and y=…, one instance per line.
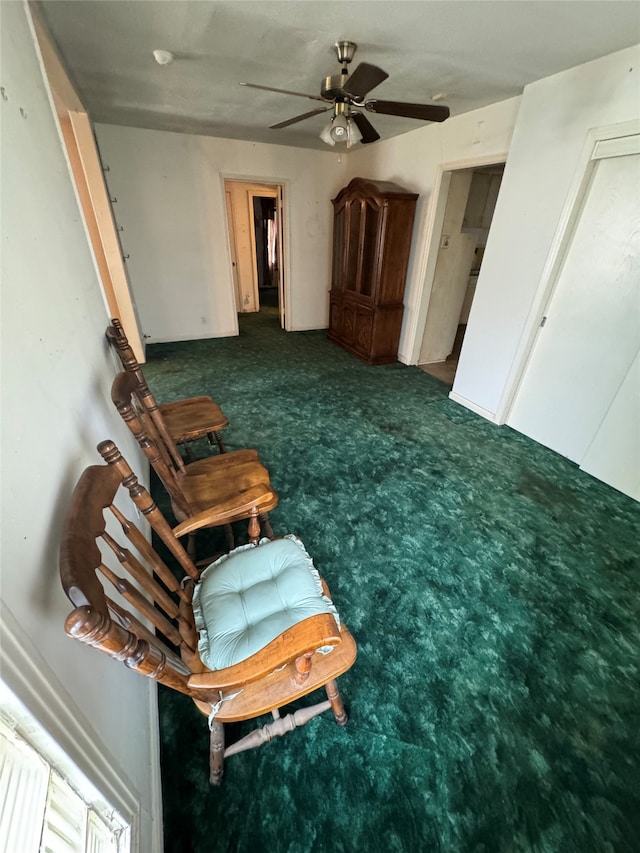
x=353, y=247
x=363, y=330
x=335, y=316
x=348, y=323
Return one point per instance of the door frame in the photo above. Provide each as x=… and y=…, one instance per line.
x=281, y=186
x=597, y=143
x=434, y=226
x=232, y=247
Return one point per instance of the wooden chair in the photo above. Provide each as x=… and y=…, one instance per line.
x=259, y=656
x=236, y=481
x=186, y=420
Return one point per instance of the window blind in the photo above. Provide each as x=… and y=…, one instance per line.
x=40, y=812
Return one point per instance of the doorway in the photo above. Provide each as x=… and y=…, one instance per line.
x=266, y=243
x=471, y=196
x=255, y=228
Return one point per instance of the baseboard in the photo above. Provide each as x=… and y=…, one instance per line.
x=173, y=340
x=155, y=781
x=308, y=329
x=484, y=413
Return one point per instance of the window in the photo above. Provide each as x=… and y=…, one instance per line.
x=41, y=811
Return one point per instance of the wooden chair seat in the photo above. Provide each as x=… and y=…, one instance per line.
x=185, y=420
x=130, y=604
x=258, y=698
x=237, y=481
x=216, y=479
x=193, y=418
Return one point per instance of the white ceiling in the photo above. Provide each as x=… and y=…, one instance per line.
x=475, y=52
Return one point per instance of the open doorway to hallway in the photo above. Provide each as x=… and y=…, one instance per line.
x=471, y=196
x=255, y=225
x=266, y=240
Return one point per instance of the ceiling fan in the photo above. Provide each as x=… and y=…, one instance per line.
x=346, y=95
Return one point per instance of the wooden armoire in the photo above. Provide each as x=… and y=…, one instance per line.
x=373, y=222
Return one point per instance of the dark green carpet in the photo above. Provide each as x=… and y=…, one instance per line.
x=493, y=590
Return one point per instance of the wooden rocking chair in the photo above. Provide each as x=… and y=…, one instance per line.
x=268, y=631
x=236, y=481
x=186, y=420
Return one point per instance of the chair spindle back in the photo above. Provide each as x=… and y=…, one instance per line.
x=123, y=394
x=148, y=407
x=148, y=590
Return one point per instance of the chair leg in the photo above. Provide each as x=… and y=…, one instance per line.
x=217, y=437
x=337, y=706
x=216, y=753
x=191, y=546
x=266, y=526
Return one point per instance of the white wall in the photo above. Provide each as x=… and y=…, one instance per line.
x=171, y=205
x=415, y=161
x=554, y=118
x=56, y=407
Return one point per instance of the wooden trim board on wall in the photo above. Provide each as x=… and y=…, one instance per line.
x=86, y=169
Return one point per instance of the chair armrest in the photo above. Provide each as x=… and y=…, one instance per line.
x=305, y=637
x=223, y=513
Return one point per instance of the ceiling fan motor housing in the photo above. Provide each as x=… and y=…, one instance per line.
x=332, y=87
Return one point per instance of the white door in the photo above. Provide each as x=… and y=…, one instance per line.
x=591, y=332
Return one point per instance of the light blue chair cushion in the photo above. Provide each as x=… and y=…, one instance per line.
x=249, y=596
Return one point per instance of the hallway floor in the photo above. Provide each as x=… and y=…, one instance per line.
x=445, y=371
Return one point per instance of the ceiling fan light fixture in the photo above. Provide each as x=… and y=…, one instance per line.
x=354, y=134
x=339, y=128
x=325, y=134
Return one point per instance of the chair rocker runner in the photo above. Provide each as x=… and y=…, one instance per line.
x=186, y=420
x=268, y=631
x=237, y=480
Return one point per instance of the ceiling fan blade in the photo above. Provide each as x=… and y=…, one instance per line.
x=426, y=112
x=364, y=79
x=368, y=131
x=298, y=118
x=284, y=91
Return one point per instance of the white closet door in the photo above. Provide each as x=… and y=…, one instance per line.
x=614, y=453
x=592, y=331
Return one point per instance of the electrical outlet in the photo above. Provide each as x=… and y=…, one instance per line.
x=444, y=242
